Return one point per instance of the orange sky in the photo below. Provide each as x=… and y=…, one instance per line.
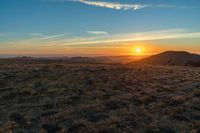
x=147, y=48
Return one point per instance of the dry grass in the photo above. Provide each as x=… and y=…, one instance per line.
x=98, y=98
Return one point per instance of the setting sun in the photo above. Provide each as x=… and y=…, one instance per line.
x=138, y=50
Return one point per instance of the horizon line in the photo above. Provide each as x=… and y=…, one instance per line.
x=83, y=55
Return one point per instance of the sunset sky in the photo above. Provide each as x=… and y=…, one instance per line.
x=98, y=27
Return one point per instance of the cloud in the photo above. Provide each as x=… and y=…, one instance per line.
x=52, y=36
x=61, y=41
x=126, y=37
x=119, y=6
x=112, y=5
x=98, y=32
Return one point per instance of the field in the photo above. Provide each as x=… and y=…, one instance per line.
x=59, y=97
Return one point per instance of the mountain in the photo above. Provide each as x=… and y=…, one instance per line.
x=172, y=58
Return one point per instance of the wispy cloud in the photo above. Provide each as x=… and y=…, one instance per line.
x=126, y=37
x=119, y=6
x=112, y=5
x=62, y=41
x=98, y=32
x=52, y=36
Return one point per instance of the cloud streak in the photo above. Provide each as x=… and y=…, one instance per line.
x=120, y=6
x=98, y=32
x=52, y=36
x=111, y=5
x=61, y=41
x=127, y=37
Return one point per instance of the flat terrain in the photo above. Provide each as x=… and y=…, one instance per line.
x=98, y=98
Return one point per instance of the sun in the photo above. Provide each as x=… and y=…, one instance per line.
x=138, y=50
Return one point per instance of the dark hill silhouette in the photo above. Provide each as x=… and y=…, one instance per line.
x=172, y=58
x=77, y=59
x=194, y=63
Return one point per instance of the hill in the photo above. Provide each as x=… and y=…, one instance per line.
x=99, y=59
x=172, y=58
x=194, y=63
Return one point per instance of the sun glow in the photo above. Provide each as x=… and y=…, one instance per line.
x=138, y=50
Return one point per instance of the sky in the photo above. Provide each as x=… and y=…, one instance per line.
x=98, y=27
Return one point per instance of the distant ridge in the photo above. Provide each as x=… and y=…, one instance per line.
x=172, y=58
x=78, y=59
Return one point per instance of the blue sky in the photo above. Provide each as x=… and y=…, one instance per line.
x=80, y=25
